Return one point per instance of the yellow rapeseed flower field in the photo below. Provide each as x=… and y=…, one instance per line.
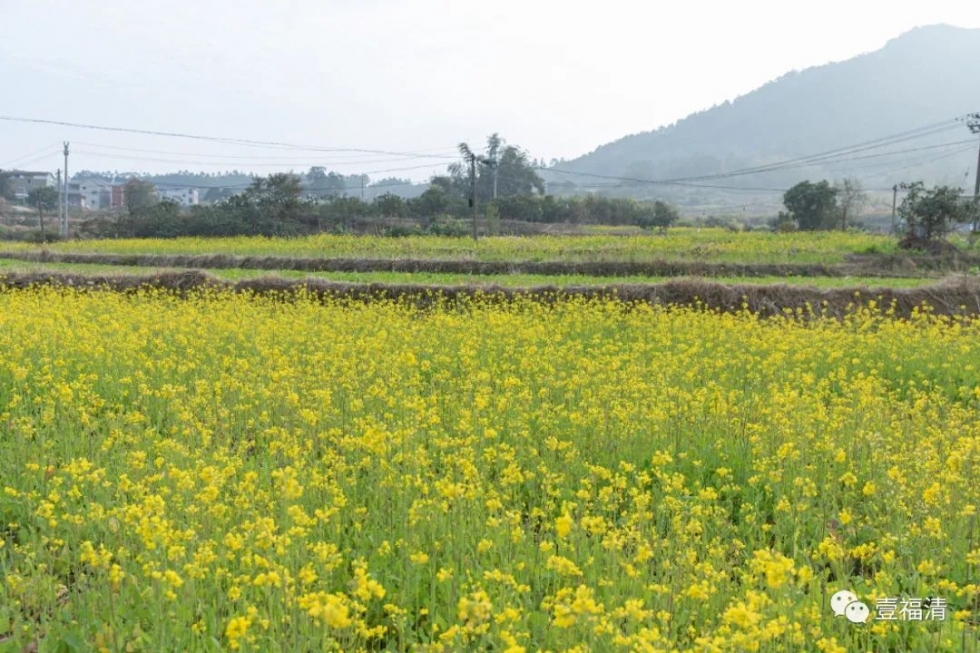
x=224, y=472
x=688, y=243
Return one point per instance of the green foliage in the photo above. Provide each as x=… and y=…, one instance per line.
x=270, y=206
x=434, y=201
x=44, y=198
x=138, y=195
x=505, y=166
x=851, y=199
x=782, y=223
x=447, y=225
x=6, y=188
x=493, y=219
x=389, y=206
x=340, y=213
x=731, y=224
x=319, y=183
x=274, y=206
x=931, y=214
x=813, y=206
x=160, y=220
x=660, y=216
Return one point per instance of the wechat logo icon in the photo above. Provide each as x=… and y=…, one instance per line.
x=845, y=603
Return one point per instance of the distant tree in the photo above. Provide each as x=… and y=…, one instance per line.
x=316, y=181
x=138, y=195
x=435, y=201
x=390, y=184
x=928, y=215
x=342, y=212
x=43, y=199
x=664, y=215
x=522, y=208
x=320, y=183
x=389, y=206
x=493, y=219
x=336, y=185
x=782, y=223
x=356, y=182
x=506, y=168
x=813, y=206
x=851, y=199
x=160, y=220
x=277, y=201
x=6, y=188
x=453, y=184
x=516, y=175
x=492, y=160
x=217, y=194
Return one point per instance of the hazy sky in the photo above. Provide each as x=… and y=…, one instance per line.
x=558, y=78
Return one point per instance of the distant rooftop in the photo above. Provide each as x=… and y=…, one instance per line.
x=27, y=172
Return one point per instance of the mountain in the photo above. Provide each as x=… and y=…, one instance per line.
x=920, y=78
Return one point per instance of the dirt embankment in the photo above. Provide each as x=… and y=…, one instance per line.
x=960, y=297
x=891, y=266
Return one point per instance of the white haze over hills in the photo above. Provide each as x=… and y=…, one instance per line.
x=923, y=78
x=557, y=78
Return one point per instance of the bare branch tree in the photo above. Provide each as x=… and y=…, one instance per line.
x=851, y=198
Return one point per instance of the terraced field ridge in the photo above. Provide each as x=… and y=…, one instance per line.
x=953, y=297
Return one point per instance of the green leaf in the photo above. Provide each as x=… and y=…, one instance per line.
x=71, y=643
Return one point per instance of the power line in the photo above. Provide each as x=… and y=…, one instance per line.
x=46, y=150
x=688, y=181
x=50, y=153
x=231, y=159
x=842, y=154
x=257, y=165
x=892, y=153
x=921, y=163
x=245, y=186
x=215, y=139
x=776, y=190
x=652, y=182
x=920, y=132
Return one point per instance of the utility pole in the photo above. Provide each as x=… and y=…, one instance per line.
x=473, y=193
x=64, y=217
x=894, y=204
x=362, y=188
x=472, y=158
x=973, y=122
x=61, y=205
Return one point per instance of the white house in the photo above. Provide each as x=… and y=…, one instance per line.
x=97, y=194
x=183, y=196
x=24, y=181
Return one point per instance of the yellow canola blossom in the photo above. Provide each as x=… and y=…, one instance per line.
x=220, y=470
x=706, y=244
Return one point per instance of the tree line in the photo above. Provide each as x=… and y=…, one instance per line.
x=505, y=183
x=924, y=216
x=276, y=206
